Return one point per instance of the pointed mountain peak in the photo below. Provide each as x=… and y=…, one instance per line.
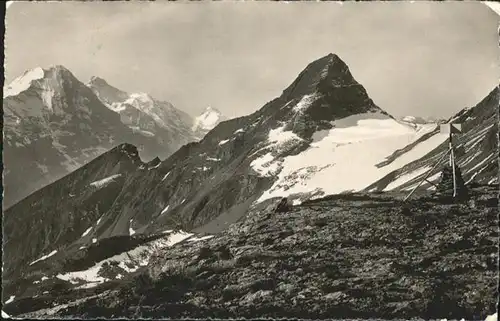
x=97, y=81
x=208, y=119
x=107, y=94
x=58, y=71
x=210, y=110
x=131, y=151
x=321, y=75
x=59, y=68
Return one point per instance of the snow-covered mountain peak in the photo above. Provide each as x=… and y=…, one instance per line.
x=108, y=94
x=207, y=120
x=23, y=82
x=49, y=84
x=136, y=99
x=211, y=109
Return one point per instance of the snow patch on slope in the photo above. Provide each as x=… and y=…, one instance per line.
x=131, y=231
x=129, y=261
x=305, y=102
x=23, y=82
x=165, y=209
x=44, y=257
x=197, y=239
x=105, y=181
x=264, y=165
x=87, y=231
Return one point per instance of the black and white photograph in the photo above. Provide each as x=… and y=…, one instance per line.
x=251, y=159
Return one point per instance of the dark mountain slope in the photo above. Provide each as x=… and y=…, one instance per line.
x=477, y=150
x=59, y=214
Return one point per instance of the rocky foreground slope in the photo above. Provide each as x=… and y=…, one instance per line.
x=345, y=256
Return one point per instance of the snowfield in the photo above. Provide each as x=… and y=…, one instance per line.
x=347, y=153
x=406, y=178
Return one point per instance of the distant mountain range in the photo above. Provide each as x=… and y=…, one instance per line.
x=54, y=124
x=421, y=120
x=323, y=135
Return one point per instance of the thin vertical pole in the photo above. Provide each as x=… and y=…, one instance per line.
x=427, y=175
x=452, y=163
x=454, y=174
x=450, y=146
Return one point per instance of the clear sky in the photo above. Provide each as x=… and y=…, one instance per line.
x=426, y=59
